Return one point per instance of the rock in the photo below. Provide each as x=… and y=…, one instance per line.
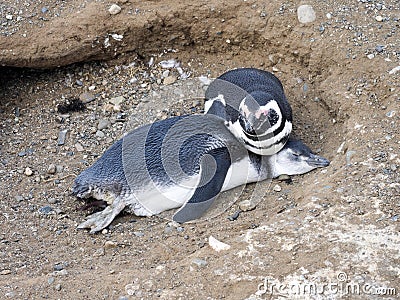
x=79, y=147
x=138, y=233
x=45, y=210
x=50, y=280
x=168, y=64
x=169, y=80
x=19, y=198
x=51, y=169
x=246, y=205
x=59, y=169
x=379, y=48
x=117, y=100
x=100, y=134
x=28, y=171
x=99, y=252
x=86, y=97
x=284, y=177
x=52, y=200
x=379, y=18
x=306, y=14
x=114, y=9
x=103, y=124
x=58, y=267
x=58, y=287
x=60, y=273
x=217, y=245
x=394, y=70
x=349, y=155
x=61, y=137
x=9, y=17
x=277, y=188
x=110, y=244
x=199, y=262
x=371, y=56
x=342, y=148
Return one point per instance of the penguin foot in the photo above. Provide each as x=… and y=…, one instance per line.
x=98, y=221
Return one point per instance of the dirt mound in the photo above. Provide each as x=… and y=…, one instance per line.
x=335, y=226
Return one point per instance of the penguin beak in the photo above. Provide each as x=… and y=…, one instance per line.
x=317, y=161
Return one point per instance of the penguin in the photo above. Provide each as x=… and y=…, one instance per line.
x=182, y=162
x=254, y=105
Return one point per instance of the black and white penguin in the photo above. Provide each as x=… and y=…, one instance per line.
x=181, y=162
x=255, y=108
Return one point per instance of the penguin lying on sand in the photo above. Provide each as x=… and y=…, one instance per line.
x=181, y=162
x=255, y=108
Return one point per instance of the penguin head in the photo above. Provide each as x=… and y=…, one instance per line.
x=296, y=158
x=258, y=113
x=260, y=124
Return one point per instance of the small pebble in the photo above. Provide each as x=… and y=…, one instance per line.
x=371, y=56
x=5, y=272
x=199, y=262
x=28, y=171
x=9, y=17
x=394, y=70
x=217, y=245
x=19, y=198
x=52, y=200
x=100, y=134
x=277, y=188
x=79, y=147
x=306, y=14
x=50, y=280
x=103, y=124
x=58, y=287
x=234, y=216
x=51, y=169
x=45, y=210
x=44, y=10
x=114, y=9
x=86, y=97
x=58, y=267
x=379, y=48
x=246, y=205
x=110, y=244
x=117, y=100
x=379, y=18
x=61, y=137
x=138, y=233
x=169, y=80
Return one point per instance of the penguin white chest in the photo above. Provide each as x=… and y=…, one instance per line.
x=239, y=173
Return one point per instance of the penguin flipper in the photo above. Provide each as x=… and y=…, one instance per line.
x=214, y=167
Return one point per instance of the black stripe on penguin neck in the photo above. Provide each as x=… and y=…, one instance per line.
x=282, y=140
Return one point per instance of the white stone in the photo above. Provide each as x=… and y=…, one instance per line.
x=379, y=18
x=306, y=14
x=217, y=245
x=277, y=188
x=114, y=9
x=394, y=70
x=28, y=171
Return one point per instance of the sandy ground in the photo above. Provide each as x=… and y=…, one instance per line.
x=330, y=234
